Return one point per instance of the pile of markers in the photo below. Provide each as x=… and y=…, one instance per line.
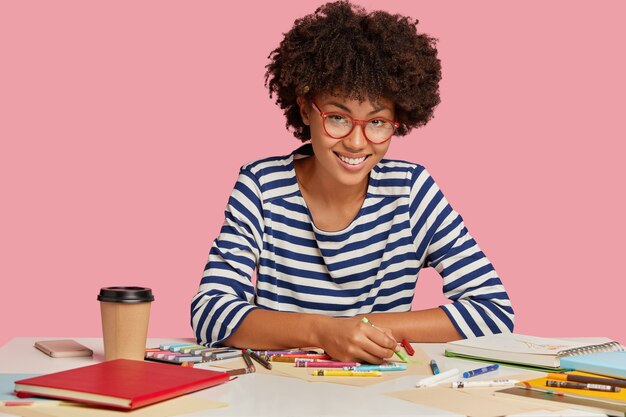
x=187, y=354
x=323, y=365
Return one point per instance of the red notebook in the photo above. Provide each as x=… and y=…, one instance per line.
x=120, y=383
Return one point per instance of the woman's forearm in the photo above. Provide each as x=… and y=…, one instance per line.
x=431, y=325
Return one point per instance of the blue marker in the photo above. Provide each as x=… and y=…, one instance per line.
x=480, y=371
x=434, y=367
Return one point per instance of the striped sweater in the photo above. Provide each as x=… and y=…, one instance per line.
x=404, y=224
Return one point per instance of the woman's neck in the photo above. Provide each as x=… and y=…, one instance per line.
x=317, y=184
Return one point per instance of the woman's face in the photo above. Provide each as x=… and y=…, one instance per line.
x=347, y=161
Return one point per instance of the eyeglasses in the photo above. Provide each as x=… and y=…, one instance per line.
x=339, y=125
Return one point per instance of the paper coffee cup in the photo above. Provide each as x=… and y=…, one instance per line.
x=125, y=314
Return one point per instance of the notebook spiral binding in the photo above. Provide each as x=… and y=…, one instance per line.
x=604, y=347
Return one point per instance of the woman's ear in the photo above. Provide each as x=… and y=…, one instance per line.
x=304, y=109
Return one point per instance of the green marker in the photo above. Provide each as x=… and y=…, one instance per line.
x=402, y=356
x=398, y=352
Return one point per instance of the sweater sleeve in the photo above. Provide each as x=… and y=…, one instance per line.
x=226, y=293
x=479, y=303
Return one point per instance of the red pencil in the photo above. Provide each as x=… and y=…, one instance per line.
x=407, y=346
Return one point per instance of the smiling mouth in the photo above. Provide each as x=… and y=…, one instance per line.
x=352, y=161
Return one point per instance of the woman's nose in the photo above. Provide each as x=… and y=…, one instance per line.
x=356, y=140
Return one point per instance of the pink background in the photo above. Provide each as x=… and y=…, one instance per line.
x=123, y=125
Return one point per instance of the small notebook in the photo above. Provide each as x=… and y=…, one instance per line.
x=120, y=383
x=604, y=363
x=528, y=351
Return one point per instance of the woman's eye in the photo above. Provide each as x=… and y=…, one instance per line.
x=338, y=119
x=378, y=123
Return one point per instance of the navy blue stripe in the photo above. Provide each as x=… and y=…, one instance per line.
x=225, y=244
x=406, y=301
x=421, y=193
x=229, y=259
x=278, y=183
x=486, y=284
x=447, y=252
x=287, y=205
x=230, y=230
x=493, y=327
x=221, y=335
x=462, y=262
x=428, y=239
x=297, y=256
x=389, y=182
x=242, y=291
x=382, y=203
x=246, y=213
x=462, y=280
x=383, y=168
x=497, y=311
x=467, y=318
x=291, y=239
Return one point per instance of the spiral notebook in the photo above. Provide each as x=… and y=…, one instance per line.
x=603, y=363
x=528, y=351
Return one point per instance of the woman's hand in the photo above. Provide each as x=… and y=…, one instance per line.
x=350, y=339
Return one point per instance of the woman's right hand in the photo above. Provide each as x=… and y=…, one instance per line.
x=350, y=339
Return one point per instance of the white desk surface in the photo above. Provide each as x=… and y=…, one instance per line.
x=262, y=395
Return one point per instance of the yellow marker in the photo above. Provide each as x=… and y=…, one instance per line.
x=339, y=372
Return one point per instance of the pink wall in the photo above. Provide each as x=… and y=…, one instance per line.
x=123, y=125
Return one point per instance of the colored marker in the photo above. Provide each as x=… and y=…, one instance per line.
x=435, y=379
x=223, y=355
x=320, y=356
x=383, y=367
x=249, y=364
x=407, y=346
x=318, y=364
x=259, y=359
x=480, y=371
x=183, y=357
x=210, y=354
x=238, y=371
x=188, y=349
x=342, y=372
x=171, y=346
x=582, y=385
x=588, y=379
x=402, y=356
x=434, y=367
x=282, y=352
x=276, y=358
x=494, y=383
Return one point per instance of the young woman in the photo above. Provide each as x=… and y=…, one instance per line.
x=334, y=231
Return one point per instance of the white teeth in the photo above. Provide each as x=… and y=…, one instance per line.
x=352, y=161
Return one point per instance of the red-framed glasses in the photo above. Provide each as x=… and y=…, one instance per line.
x=339, y=125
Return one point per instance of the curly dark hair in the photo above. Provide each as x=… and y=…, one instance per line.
x=342, y=48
